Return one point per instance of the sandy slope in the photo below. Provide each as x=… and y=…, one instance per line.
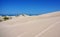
x=46, y=25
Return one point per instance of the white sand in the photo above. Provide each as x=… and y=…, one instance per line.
x=46, y=25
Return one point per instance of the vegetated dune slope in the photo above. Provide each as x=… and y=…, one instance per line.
x=46, y=25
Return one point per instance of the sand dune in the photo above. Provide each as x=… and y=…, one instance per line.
x=46, y=25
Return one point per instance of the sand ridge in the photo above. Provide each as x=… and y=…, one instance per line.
x=46, y=25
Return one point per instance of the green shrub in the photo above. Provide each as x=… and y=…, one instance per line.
x=6, y=18
x=0, y=20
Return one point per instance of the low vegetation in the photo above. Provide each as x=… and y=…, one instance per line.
x=0, y=20
x=4, y=18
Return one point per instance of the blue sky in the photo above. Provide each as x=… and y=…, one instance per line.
x=13, y=7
